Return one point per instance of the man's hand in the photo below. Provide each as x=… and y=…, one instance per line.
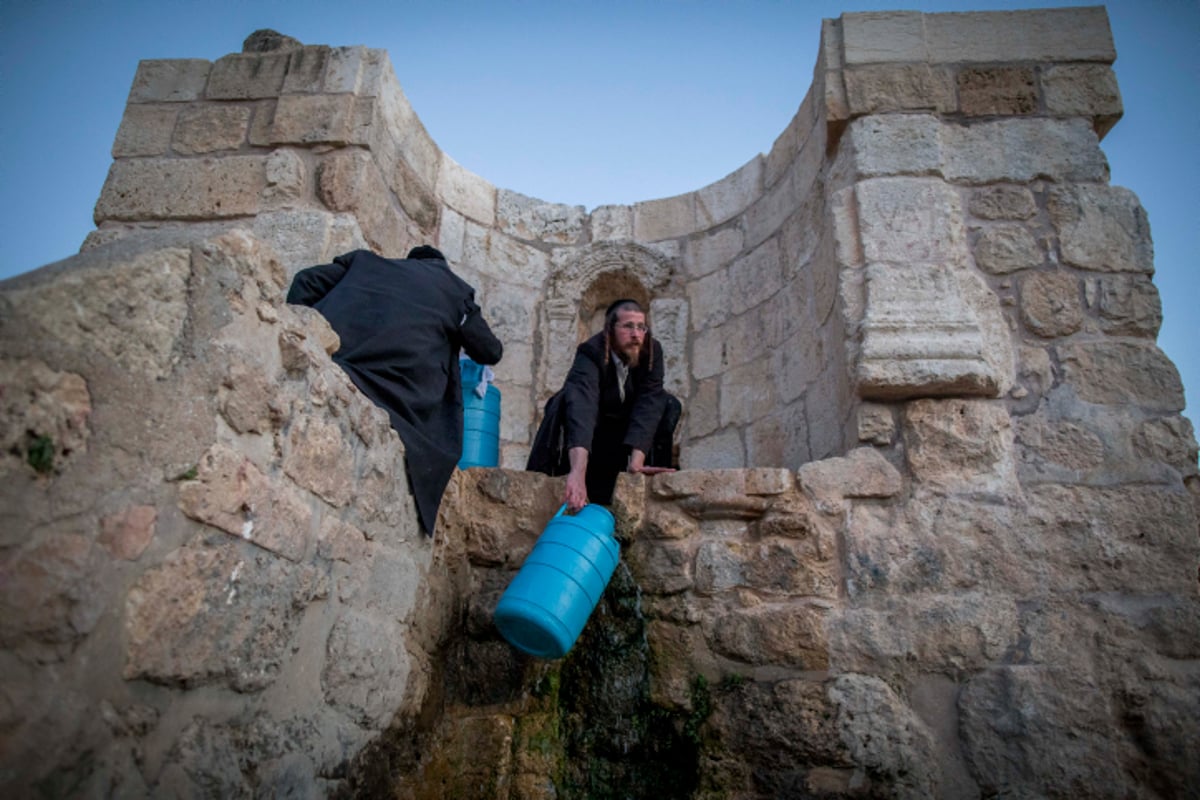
x=575, y=495
x=637, y=464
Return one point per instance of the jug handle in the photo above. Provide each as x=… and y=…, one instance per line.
x=560, y=511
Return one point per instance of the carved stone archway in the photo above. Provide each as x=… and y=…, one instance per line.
x=580, y=292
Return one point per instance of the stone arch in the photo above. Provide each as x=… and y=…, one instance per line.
x=578, y=294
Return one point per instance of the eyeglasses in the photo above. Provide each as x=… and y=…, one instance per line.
x=640, y=327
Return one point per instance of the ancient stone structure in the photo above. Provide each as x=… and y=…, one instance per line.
x=936, y=535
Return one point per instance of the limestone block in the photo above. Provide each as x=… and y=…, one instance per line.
x=1057, y=442
x=300, y=238
x=1084, y=90
x=997, y=91
x=876, y=424
x=668, y=218
x=1002, y=202
x=466, y=192
x=885, y=737
x=169, y=80
x=883, y=37
x=208, y=128
x=1122, y=373
x=517, y=415
x=1170, y=440
x=232, y=494
x=44, y=415
x=211, y=614
x=1021, y=150
x=1116, y=539
x=510, y=312
x=133, y=313
x=922, y=336
x=910, y=220
x=528, y=218
x=1055, y=34
x=1005, y=248
x=306, y=69
x=261, y=122
x=349, y=180
x=1051, y=303
x=702, y=412
x=317, y=458
x=287, y=178
x=772, y=568
x=708, y=298
x=1066, y=722
x=908, y=144
x=791, y=635
x=313, y=119
x=747, y=393
x=722, y=450
x=864, y=473
x=669, y=323
x=731, y=195
x=960, y=445
x=611, y=223
x=1129, y=305
x=797, y=362
x=768, y=214
x=753, y=278
x=186, y=189
x=369, y=667
x=145, y=131
x=1102, y=228
x=127, y=533
x=349, y=70
x=246, y=399
x=49, y=594
x=415, y=196
x=506, y=259
x=899, y=87
x=239, y=76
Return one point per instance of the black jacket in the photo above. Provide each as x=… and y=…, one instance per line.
x=588, y=412
x=402, y=323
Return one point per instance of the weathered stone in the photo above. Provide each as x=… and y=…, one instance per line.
x=1129, y=305
x=611, y=223
x=1050, y=34
x=49, y=594
x=922, y=336
x=232, y=494
x=1122, y=373
x=287, y=178
x=43, y=417
x=527, y=218
x=1002, y=249
x=1002, y=202
x=863, y=473
x=205, y=129
x=210, y=614
x=884, y=736
x=1051, y=303
x=318, y=459
x=908, y=144
x=876, y=424
x=187, y=189
x=1087, y=90
x=128, y=532
x=313, y=119
x=997, y=91
x=306, y=68
x=466, y=192
x=368, y=667
x=1170, y=440
x=145, y=131
x=1020, y=150
x=266, y=40
x=247, y=400
x=731, y=195
x=960, y=445
x=899, y=87
x=247, y=77
x=790, y=635
x=910, y=220
x=668, y=218
x=169, y=80
x=132, y=313
x=1063, y=443
x=1102, y=228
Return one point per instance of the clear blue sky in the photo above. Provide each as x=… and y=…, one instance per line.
x=586, y=103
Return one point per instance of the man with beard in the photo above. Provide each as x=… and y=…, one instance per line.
x=611, y=413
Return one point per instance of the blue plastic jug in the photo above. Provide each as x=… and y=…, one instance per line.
x=481, y=420
x=544, y=609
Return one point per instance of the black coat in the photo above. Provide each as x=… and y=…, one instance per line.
x=588, y=412
x=402, y=323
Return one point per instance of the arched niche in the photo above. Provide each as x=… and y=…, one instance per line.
x=578, y=295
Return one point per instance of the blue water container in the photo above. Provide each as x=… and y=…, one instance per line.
x=544, y=609
x=481, y=420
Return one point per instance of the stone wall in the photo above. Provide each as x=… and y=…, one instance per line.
x=937, y=534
